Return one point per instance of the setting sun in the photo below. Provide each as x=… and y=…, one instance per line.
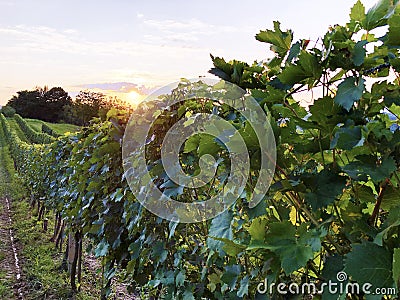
x=133, y=96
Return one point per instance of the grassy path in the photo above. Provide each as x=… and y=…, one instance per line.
x=10, y=271
x=14, y=126
x=59, y=128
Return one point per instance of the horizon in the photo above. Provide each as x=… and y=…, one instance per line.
x=128, y=49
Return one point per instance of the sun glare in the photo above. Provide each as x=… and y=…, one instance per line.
x=133, y=96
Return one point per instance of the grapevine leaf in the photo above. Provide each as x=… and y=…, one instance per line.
x=383, y=235
x=192, y=143
x=377, y=15
x=347, y=138
x=293, y=253
x=213, y=279
x=396, y=266
x=325, y=113
x=349, y=91
x=180, y=278
x=257, y=229
x=244, y=287
x=159, y=253
x=188, y=295
x=231, y=275
x=358, y=170
x=171, y=189
x=208, y=145
x=307, y=67
x=364, y=194
x=294, y=52
x=359, y=52
x=394, y=28
x=280, y=41
x=230, y=247
x=357, y=13
x=333, y=265
x=220, y=228
x=258, y=210
x=102, y=249
x=325, y=186
x=222, y=69
x=390, y=198
x=370, y=263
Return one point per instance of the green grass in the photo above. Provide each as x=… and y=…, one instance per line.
x=5, y=284
x=5, y=287
x=15, y=127
x=35, y=124
x=10, y=185
x=59, y=128
x=42, y=262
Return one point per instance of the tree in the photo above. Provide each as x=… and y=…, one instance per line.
x=41, y=103
x=88, y=105
x=55, y=100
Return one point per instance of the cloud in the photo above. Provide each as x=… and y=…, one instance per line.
x=187, y=31
x=120, y=87
x=46, y=39
x=192, y=25
x=71, y=58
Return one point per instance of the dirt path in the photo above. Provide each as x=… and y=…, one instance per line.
x=10, y=263
x=92, y=264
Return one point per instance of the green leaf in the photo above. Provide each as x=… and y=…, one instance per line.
x=396, y=266
x=213, y=279
x=391, y=198
x=280, y=41
x=307, y=66
x=357, y=13
x=349, y=91
x=159, y=253
x=258, y=229
x=393, y=36
x=294, y=253
x=347, y=138
x=378, y=14
x=188, y=294
x=230, y=247
x=257, y=211
x=383, y=235
x=333, y=265
x=207, y=145
x=363, y=193
x=370, y=263
x=325, y=187
x=220, y=228
x=325, y=112
x=192, y=143
x=294, y=52
x=172, y=226
x=102, y=249
x=358, y=54
x=244, y=287
x=358, y=170
x=180, y=278
x=231, y=275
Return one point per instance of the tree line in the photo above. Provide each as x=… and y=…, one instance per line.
x=55, y=105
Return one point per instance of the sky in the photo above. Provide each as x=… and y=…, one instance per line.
x=128, y=48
